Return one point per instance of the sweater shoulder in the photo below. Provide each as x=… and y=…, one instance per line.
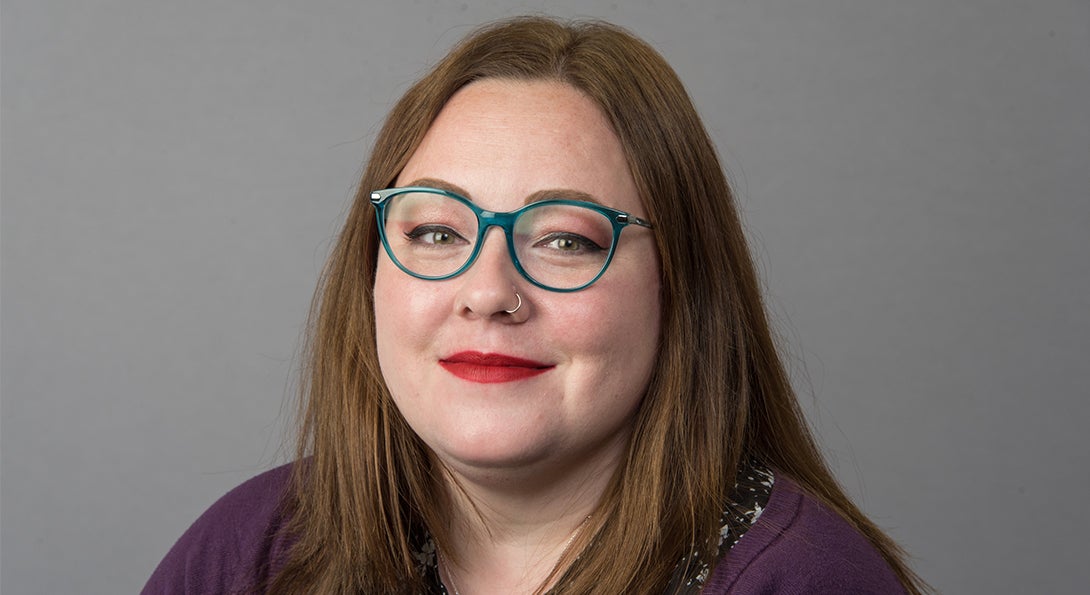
x=234, y=545
x=799, y=545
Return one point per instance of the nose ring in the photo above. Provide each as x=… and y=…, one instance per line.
x=516, y=308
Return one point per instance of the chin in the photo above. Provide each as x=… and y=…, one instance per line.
x=494, y=455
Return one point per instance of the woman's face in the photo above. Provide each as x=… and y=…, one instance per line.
x=587, y=356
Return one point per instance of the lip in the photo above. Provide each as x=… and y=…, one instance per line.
x=491, y=368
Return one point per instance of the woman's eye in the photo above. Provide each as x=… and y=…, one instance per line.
x=434, y=234
x=569, y=242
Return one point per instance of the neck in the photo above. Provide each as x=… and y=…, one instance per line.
x=500, y=582
x=509, y=532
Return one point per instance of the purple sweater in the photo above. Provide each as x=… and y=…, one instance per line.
x=796, y=546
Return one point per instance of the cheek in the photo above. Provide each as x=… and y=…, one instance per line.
x=386, y=323
x=618, y=334
x=386, y=287
x=386, y=308
x=402, y=314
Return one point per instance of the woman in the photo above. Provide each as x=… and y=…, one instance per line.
x=540, y=361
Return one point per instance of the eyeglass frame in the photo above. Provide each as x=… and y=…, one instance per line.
x=505, y=220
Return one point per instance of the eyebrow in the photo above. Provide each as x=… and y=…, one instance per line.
x=559, y=193
x=439, y=185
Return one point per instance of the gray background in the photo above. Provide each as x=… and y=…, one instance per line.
x=913, y=176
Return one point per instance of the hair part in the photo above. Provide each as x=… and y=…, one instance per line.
x=366, y=485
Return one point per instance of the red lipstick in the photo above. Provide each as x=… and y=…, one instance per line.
x=490, y=368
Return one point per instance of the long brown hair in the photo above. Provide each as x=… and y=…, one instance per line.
x=365, y=486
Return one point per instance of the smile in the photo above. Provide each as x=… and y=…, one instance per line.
x=491, y=368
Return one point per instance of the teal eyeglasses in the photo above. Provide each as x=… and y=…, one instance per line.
x=556, y=244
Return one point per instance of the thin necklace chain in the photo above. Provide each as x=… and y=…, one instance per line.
x=450, y=575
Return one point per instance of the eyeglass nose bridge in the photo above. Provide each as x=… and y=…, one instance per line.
x=506, y=223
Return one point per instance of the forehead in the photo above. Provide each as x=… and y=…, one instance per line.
x=512, y=102
x=505, y=140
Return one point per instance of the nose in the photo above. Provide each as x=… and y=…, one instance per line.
x=488, y=288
